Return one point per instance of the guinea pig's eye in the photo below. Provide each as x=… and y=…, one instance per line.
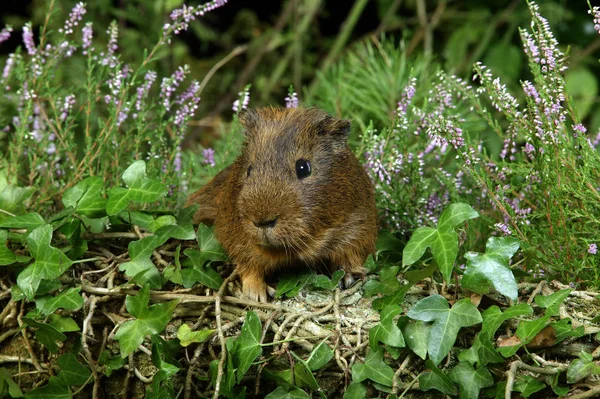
x=249, y=170
x=302, y=168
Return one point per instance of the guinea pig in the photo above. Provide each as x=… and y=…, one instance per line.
x=296, y=196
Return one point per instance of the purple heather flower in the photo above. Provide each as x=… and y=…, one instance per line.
x=245, y=97
x=74, y=17
x=291, y=101
x=5, y=33
x=170, y=84
x=531, y=91
x=209, y=156
x=142, y=91
x=188, y=100
x=113, y=31
x=501, y=227
x=181, y=17
x=593, y=249
x=406, y=97
x=595, y=11
x=579, y=128
x=67, y=106
x=10, y=62
x=88, y=34
x=28, y=39
x=177, y=160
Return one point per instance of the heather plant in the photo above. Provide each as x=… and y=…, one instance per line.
x=57, y=135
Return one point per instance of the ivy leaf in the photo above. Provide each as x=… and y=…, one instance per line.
x=455, y=214
x=471, y=381
x=87, y=197
x=186, y=336
x=493, y=318
x=416, y=334
x=208, y=244
x=320, y=356
x=446, y=322
x=140, y=252
x=386, y=284
x=7, y=257
x=293, y=393
x=374, y=368
x=553, y=301
x=13, y=199
x=50, y=262
x=71, y=371
x=528, y=385
x=149, y=320
x=180, y=229
x=8, y=386
x=582, y=368
x=28, y=221
x=445, y=251
x=197, y=271
x=110, y=363
x=140, y=189
x=387, y=331
x=355, y=390
x=67, y=299
x=246, y=347
x=435, y=379
x=564, y=329
x=46, y=334
x=303, y=377
x=421, y=239
x=291, y=283
x=323, y=282
x=173, y=272
x=55, y=389
x=492, y=268
x=63, y=324
x=162, y=384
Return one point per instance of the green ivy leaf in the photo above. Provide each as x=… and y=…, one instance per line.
x=55, y=389
x=493, y=318
x=435, y=379
x=140, y=252
x=246, y=347
x=320, y=356
x=421, y=239
x=110, y=363
x=416, y=334
x=208, y=244
x=471, y=381
x=446, y=322
x=186, y=336
x=582, y=368
x=291, y=283
x=71, y=371
x=564, y=329
x=162, y=384
x=8, y=386
x=387, y=331
x=46, y=334
x=293, y=393
x=197, y=271
x=553, y=301
x=323, y=282
x=374, y=368
x=454, y=214
x=7, y=257
x=387, y=283
x=28, y=221
x=87, y=197
x=445, y=249
x=149, y=320
x=13, y=199
x=528, y=385
x=50, y=262
x=140, y=189
x=355, y=390
x=63, y=324
x=492, y=268
x=180, y=228
x=67, y=299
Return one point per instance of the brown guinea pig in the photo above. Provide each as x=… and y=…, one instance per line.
x=296, y=196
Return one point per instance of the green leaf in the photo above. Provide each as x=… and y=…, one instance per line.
x=197, y=271
x=387, y=331
x=387, y=283
x=564, y=329
x=528, y=385
x=247, y=346
x=186, y=336
x=435, y=379
x=110, y=363
x=55, y=389
x=552, y=302
x=8, y=386
x=7, y=257
x=320, y=356
x=149, y=320
x=493, y=318
x=421, y=239
x=67, y=299
x=46, y=334
x=582, y=368
x=323, y=282
x=416, y=334
x=446, y=322
x=71, y=371
x=291, y=283
x=13, y=199
x=173, y=272
x=471, y=381
x=87, y=197
x=208, y=244
x=455, y=214
x=282, y=393
x=63, y=324
x=355, y=390
x=29, y=221
x=387, y=242
x=50, y=262
x=492, y=268
x=118, y=200
x=445, y=249
x=140, y=252
x=374, y=368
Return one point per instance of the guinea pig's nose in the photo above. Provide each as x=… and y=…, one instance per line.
x=265, y=223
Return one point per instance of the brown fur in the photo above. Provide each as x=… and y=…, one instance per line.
x=326, y=220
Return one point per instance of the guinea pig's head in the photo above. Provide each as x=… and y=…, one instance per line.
x=286, y=180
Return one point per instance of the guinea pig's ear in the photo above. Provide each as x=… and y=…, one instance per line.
x=334, y=126
x=249, y=119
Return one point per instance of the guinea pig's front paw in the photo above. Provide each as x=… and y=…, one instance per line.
x=350, y=278
x=254, y=288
